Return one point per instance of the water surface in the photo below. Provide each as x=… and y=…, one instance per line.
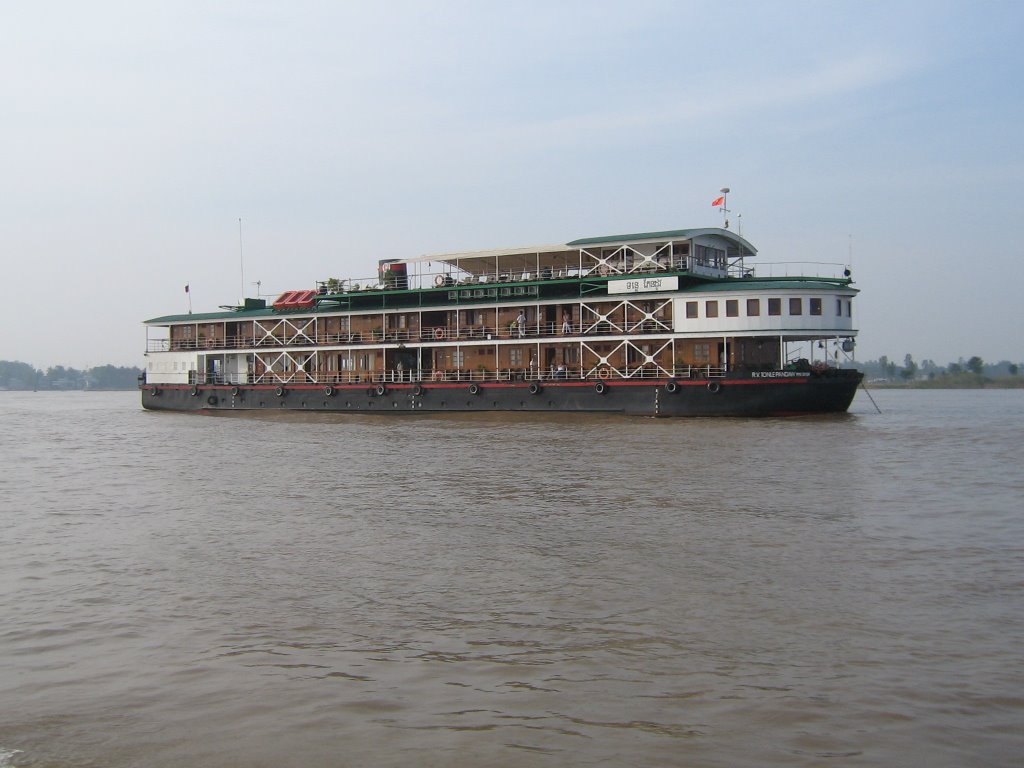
x=511, y=589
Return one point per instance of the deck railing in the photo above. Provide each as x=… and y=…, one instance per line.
x=440, y=333
x=424, y=376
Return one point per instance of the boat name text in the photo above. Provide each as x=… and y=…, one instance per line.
x=643, y=284
x=779, y=374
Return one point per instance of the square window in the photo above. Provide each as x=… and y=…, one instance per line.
x=796, y=306
x=732, y=308
x=691, y=310
x=774, y=306
x=710, y=309
x=753, y=307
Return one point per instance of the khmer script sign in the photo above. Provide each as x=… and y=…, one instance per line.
x=643, y=284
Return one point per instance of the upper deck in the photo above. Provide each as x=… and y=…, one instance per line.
x=694, y=259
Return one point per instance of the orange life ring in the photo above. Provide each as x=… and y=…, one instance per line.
x=604, y=373
x=439, y=333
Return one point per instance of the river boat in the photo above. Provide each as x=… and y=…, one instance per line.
x=671, y=323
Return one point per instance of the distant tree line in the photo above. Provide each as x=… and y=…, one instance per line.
x=927, y=370
x=16, y=375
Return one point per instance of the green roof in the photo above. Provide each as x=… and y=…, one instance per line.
x=667, y=235
x=670, y=234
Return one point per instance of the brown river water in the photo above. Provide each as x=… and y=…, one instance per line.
x=511, y=590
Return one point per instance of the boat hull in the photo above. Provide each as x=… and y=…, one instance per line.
x=767, y=393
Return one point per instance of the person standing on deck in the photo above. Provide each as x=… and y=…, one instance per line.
x=521, y=322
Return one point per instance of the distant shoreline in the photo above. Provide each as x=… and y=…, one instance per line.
x=950, y=382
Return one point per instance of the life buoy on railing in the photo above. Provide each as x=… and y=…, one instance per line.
x=604, y=372
x=439, y=281
x=381, y=390
x=439, y=333
x=194, y=391
x=280, y=391
x=438, y=376
x=714, y=387
x=417, y=390
x=234, y=391
x=534, y=388
x=671, y=386
x=328, y=390
x=600, y=387
x=474, y=388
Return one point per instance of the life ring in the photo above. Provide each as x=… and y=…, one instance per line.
x=328, y=390
x=439, y=333
x=604, y=372
x=194, y=391
x=381, y=390
x=714, y=387
x=234, y=391
x=671, y=386
x=154, y=391
x=280, y=391
x=534, y=388
x=211, y=400
x=438, y=376
x=474, y=388
x=600, y=387
x=439, y=281
x=417, y=390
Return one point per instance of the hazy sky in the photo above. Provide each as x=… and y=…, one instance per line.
x=135, y=134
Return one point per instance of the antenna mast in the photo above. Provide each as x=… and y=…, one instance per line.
x=725, y=205
x=241, y=260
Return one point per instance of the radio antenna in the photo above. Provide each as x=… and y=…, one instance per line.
x=241, y=259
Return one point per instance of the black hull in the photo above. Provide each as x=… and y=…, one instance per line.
x=772, y=393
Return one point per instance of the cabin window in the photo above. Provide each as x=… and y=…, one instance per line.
x=839, y=307
x=691, y=310
x=815, y=306
x=457, y=358
x=515, y=357
x=753, y=307
x=796, y=306
x=732, y=308
x=702, y=353
x=849, y=312
x=571, y=355
x=710, y=309
x=774, y=306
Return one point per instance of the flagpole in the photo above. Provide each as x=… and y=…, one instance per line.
x=725, y=205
